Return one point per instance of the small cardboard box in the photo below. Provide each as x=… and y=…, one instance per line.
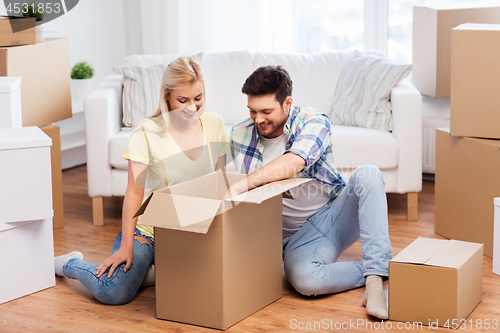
x=432, y=42
x=475, y=81
x=17, y=31
x=45, y=79
x=57, y=191
x=496, y=240
x=10, y=102
x=435, y=282
x=216, y=261
x=467, y=181
x=27, y=258
x=25, y=175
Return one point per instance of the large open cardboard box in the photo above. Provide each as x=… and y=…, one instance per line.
x=432, y=26
x=45, y=79
x=467, y=181
x=216, y=261
x=475, y=81
x=435, y=282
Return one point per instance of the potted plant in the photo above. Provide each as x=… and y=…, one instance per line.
x=81, y=79
x=36, y=11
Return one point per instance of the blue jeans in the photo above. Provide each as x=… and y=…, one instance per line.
x=360, y=211
x=121, y=287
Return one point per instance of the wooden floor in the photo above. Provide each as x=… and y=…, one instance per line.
x=69, y=307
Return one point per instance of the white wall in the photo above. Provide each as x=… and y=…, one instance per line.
x=100, y=32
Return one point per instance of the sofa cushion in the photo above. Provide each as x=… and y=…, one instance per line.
x=355, y=146
x=141, y=91
x=363, y=91
x=314, y=75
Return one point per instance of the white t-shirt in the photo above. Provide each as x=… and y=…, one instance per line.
x=307, y=198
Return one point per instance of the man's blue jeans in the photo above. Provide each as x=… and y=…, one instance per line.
x=360, y=211
x=121, y=287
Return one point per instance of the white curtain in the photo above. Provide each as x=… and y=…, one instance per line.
x=191, y=26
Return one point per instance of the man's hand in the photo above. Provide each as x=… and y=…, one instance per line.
x=116, y=259
x=237, y=188
x=283, y=167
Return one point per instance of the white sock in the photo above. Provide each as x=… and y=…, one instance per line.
x=61, y=260
x=149, y=279
x=374, y=298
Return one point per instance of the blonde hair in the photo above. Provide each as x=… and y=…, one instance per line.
x=180, y=72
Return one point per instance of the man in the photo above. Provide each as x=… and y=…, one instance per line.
x=326, y=216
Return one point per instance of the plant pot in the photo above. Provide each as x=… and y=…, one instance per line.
x=80, y=88
x=40, y=36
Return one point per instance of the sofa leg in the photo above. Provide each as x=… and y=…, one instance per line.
x=412, y=200
x=97, y=211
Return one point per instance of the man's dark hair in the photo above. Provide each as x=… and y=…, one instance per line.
x=269, y=80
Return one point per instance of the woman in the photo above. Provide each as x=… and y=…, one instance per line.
x=176, y=144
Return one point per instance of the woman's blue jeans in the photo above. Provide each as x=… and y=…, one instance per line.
x=360, y=211
x=122, y=286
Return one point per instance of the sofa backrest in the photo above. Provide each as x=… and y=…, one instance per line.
x=314, y=76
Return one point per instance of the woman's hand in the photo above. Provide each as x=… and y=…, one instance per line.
x=116, y=259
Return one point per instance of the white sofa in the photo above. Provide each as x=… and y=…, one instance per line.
x=398, y=153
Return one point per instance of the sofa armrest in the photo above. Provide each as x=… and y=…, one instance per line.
x=407, y=115
x=103, y=119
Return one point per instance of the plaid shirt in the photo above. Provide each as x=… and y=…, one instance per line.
x=309, y=136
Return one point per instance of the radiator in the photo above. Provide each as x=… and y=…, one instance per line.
x=429, y=126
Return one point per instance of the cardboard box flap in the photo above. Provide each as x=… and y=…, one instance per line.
x=262, y=193
x=11, y=225
x=454, y=255
x=478, y=26
x=421, y=250
x=437, y=252
x=143, y=206
x=24, y=137
x=173, y=211
x=9, y=83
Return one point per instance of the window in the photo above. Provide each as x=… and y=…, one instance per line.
x=329, y=25
x=400, y=26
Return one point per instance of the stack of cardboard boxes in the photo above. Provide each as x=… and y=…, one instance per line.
x=432, y=26
x=468, y=153
x=26, y=243
x=34, y=93
x=44, y=88
x=439, y=282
